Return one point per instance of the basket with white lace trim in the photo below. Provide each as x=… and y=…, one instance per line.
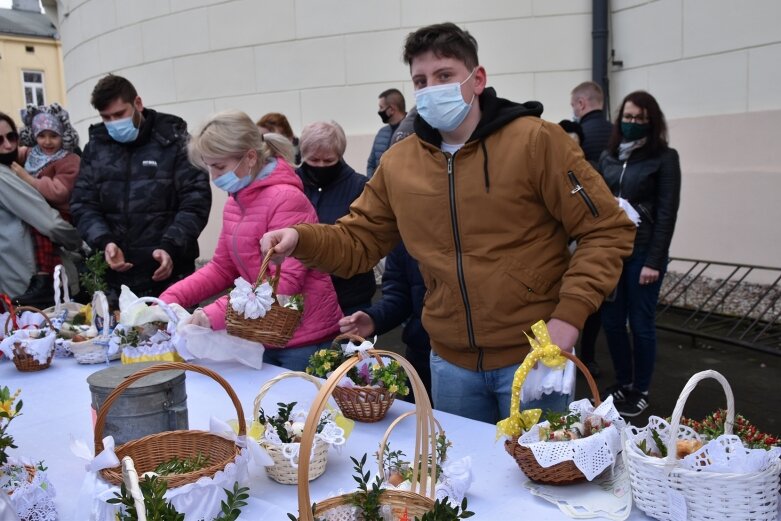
x=712, y=483
x=286, y=454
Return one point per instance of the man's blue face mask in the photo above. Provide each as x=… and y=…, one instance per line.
x=442, y=106
x=122, y=130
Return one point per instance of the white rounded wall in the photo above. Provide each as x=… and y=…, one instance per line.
x=329, y=59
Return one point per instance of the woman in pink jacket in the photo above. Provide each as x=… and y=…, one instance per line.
x=265, y=194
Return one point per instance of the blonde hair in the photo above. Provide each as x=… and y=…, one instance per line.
x=232, y=133
x=322, y=135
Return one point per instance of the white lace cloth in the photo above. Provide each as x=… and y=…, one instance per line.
x=639, y=434
x=453, y=483
x=33, y=499
x=546, y=380
x=39, y=348
x=331, y=434
x=160, y=342
x=592, y=454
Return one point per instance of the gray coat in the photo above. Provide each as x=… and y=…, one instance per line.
x=22, y=207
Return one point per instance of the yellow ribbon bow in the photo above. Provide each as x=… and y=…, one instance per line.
x=541, y=350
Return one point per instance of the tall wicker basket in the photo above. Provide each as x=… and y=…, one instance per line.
x=24, y=361
x=283, y=470
x=420, y=499
x=150, y=451
x=564, y=473
x=274, y=329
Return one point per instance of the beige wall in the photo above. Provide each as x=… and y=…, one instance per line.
x=713, y=65
x=14, y=59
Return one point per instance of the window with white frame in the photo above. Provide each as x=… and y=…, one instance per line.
x=32, y=82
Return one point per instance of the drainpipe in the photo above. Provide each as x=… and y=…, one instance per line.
x=599, y=47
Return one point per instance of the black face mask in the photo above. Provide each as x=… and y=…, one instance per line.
x=384, y=115
x=321, y=176
x=9, y=157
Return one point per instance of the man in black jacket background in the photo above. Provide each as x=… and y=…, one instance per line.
x=137, y=196
x=588, y=108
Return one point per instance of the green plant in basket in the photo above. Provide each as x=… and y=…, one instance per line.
x=324, y=361
x=287, y=430
x=10, y=408
x=391, y=376
x=94, y=278
x=398, y=469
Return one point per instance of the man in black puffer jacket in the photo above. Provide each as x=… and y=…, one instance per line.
x=137, y=196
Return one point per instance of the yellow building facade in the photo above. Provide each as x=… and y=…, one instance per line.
x=31, y=69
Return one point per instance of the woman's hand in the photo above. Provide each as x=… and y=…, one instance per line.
x=648, y=276
x=359, y=323
x=200, y=318
x=22, y=174
x=283, y=241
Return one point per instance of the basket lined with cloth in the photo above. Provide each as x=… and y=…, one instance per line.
x=254, y=311
x=30, y=347
x=95, y=349
x=286, y=454
x=150, y=342
x=721, y=479
x=415, y=502
x=587, y=452
x=155, y=449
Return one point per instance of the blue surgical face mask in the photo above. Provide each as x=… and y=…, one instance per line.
x=232, y=183
x=442, y=106
x=122, y=130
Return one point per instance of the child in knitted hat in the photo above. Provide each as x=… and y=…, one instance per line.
x=51, y=169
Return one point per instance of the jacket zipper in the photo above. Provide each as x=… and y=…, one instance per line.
x=577, y=188
x=621, y=180
x=460, y=262
x=235, y=237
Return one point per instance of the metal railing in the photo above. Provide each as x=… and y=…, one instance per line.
x=735, y=303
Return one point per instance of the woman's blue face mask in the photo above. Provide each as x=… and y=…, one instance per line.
x=232, y=183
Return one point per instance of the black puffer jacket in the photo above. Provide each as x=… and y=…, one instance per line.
x=143, y=196
x=652, y=184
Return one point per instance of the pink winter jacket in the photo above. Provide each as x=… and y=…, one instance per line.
x=276, y=201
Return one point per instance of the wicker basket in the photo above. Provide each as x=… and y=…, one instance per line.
x=363, y=403
x=150, y=451
x=63, y=307
x=283, y=470
x=24, y=361
x=708, y=495
x=564, y=473
x=274, y=329
x=416, y=502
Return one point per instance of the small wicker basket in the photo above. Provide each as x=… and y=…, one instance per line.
x=416, y=502
x=564, y=473
x=283, y=470
x=24, y=361
x=150, y=451
x=363, y=403
x=95, y=350
x=274, y=329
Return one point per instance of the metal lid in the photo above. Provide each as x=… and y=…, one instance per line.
x=109, y=378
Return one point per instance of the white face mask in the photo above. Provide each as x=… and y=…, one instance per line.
x=442, y=106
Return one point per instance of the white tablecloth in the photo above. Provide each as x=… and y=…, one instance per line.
x=57, y=409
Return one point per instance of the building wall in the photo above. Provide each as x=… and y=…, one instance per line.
x=711, y=63
x=14, y=59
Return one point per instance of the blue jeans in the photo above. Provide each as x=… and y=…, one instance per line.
x=481, y=395
x=633, y=362
x=292, y=358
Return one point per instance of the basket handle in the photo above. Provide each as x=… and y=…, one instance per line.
x=9, y=307
x=165, y=307
x=675, y=421
x=356, y=339
x=269, y=384
x=384, y=442
x=60, y=281
x=425, y=443
x=274, y=281
x=99, y=299
x=167, y=366
x=26, y=308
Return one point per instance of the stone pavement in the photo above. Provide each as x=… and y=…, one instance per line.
x=755, y=378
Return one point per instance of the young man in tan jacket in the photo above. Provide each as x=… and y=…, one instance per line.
x=485, y=196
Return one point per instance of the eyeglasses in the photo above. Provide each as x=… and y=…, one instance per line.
x=639, y=118
x=12, y=138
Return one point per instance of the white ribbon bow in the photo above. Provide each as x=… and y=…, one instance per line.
x=105, y=460
x=257, y=454
x=352, y=348
x=251, y=303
